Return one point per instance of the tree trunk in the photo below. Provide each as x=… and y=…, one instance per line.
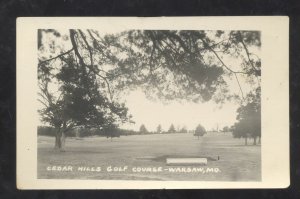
x=63, y=140
x=246, y=141
x=254, y=140
x=60, y=140
x=259, y=139
x=57, y=140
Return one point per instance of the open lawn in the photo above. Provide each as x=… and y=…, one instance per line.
x=236, y=161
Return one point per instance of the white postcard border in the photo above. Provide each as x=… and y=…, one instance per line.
x=275, y=97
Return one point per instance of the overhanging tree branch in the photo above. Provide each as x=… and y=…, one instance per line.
x=216, y=54
x=239, y=85
x=72, y=37
x=58, y=56
x=88, y=47
x=247, y=52
x=234, y=72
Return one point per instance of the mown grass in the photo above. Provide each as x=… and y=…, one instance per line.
x=236, y=161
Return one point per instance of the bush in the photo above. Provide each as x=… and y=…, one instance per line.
x=46, y=130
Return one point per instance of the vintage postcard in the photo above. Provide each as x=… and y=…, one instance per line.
x=152, y=103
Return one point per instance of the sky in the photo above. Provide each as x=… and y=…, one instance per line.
x=187, y=114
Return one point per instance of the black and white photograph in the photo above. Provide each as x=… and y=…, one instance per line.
x=149, y=104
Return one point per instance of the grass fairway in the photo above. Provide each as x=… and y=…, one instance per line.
x=237, y=162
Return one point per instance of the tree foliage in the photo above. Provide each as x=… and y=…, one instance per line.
x=183, y=130
x=143, y=129
x=159, y=129
x=199, y=131
x=72, y=96
x=111, y=131
x=177, y=64
x=172, y=129
x=249, y=118
x=226, y=129
x=185, y=64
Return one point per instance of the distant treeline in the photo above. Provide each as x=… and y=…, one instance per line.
x=85, y=132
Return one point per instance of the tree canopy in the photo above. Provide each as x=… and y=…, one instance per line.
x=159, y=129
x=249, y=118
x=172, y=129
x=199, y=131
x=177, y=64
x=183, y=130
x=143, y=129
